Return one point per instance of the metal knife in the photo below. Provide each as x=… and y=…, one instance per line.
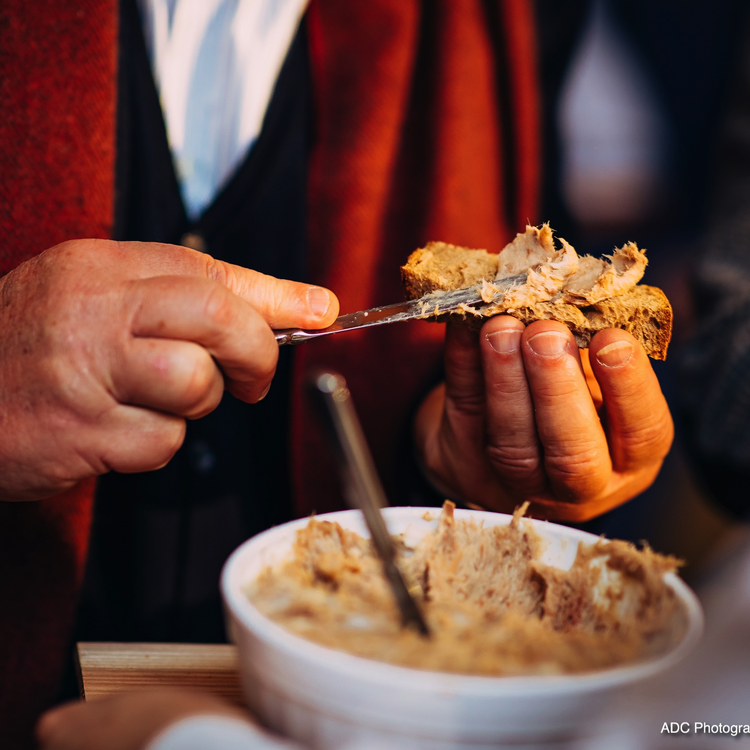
x=362, y=486
x=424, y=307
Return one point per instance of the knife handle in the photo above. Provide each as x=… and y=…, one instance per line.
x=294, y=336
x=290, y=336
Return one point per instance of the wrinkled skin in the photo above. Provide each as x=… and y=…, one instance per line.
x=523, y=415
x=107, y=348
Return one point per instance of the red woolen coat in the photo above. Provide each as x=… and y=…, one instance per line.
x=427, y=128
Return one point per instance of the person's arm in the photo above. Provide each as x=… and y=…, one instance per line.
x=154, y=720
x=107, y=348
x=523, y=415
x=165, y=720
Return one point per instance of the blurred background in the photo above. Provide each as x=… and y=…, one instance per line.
x=631, y=138
x=636, y=92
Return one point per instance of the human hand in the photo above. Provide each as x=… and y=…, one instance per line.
x=128, y=721
x=108, y=347
x=523, y=415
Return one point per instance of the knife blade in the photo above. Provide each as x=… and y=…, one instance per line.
x=424, y=307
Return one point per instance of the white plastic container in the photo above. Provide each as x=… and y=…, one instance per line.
x=329, y=699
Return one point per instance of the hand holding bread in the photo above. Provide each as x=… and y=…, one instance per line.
x=586, y=294
x=524, y=415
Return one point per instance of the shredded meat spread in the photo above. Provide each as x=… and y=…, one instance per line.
x=554, y=273
x=493, y=607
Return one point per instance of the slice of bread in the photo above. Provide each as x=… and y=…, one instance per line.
x=644, y=311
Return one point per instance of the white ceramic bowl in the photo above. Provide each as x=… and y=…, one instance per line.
x=330, y=699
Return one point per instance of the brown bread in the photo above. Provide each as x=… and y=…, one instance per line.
x=644, y=311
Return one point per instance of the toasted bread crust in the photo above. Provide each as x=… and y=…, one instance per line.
x=439, y=265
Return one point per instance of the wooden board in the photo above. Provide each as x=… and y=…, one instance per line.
x=107, y=668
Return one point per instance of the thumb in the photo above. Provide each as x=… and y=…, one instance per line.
x=282, y=303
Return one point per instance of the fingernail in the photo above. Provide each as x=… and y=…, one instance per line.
x=264, y=394
x=615, y=354
x=319, y=300
x=505, y=341
x=549, y=343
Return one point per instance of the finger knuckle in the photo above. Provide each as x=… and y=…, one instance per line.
x=264, y=378
x=573, y=461
x=205, y=405
x=256, y=385
x=70, y=385
x=270, y=370
x=471, y=404
x=265, y=354
x=77, y=255
x=67, y=278
x=68, y=250
x=650, y=438
x=82, y=461
x=513, y=462
x=198, y=388
x=512, y=386
x=218, y=271
x=218, y=307
x=284, y=300
x=557, y=391
x=578, y=470
x=274, y=298
x=169, y=441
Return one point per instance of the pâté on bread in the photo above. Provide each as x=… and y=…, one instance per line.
x=586, y=294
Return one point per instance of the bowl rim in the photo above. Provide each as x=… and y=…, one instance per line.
x=349, y=665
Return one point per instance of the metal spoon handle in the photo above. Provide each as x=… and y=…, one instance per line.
x=362, y=485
